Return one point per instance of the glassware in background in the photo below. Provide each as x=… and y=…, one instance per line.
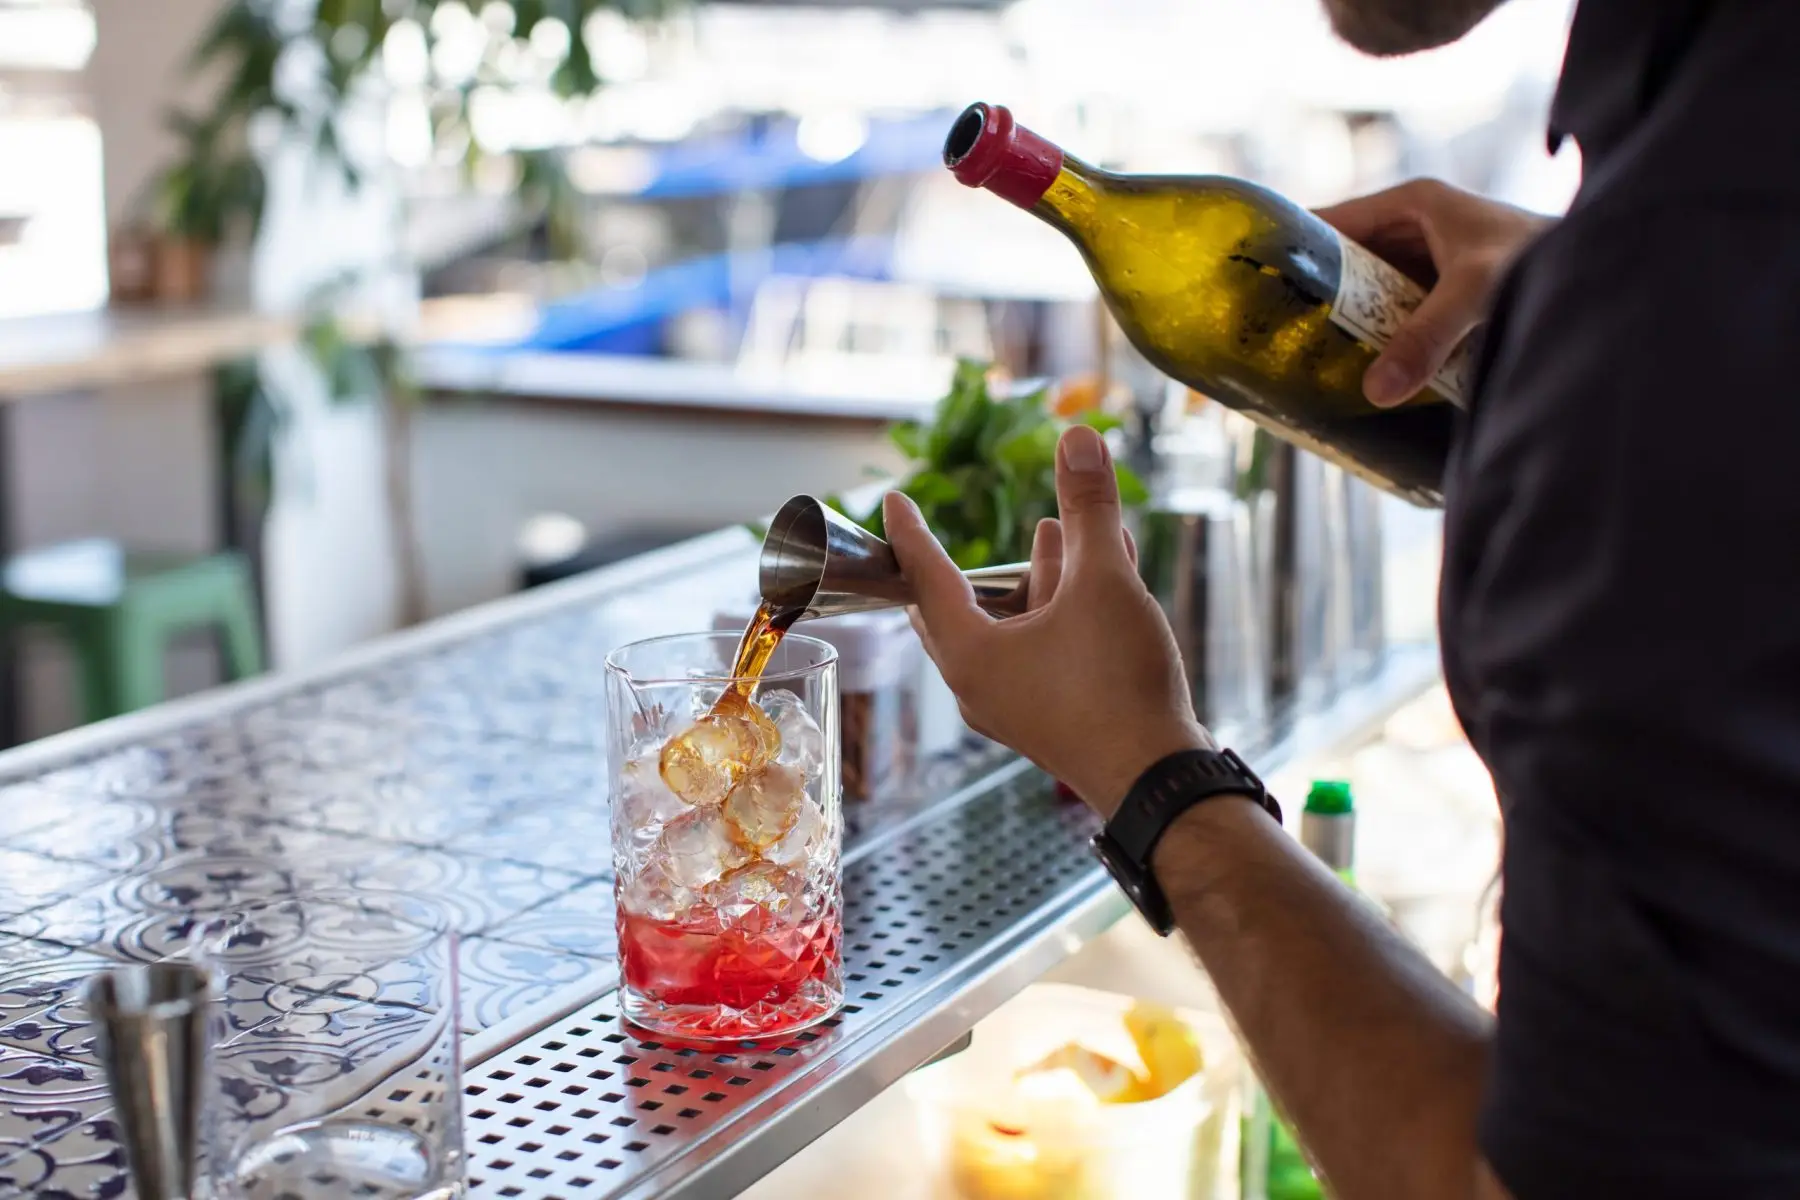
x=727, y=836
x=337, y=1065
x=1196, y=553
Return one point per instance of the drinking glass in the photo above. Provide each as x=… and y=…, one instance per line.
x=337, y=1063
x=727, y=836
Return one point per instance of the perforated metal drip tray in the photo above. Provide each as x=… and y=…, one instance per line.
x=946, y=915
x=956, y=901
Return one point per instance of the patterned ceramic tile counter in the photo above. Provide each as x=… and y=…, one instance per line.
x=462, y=763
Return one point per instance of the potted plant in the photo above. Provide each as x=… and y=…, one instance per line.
x=304, y=77
x=209, y=199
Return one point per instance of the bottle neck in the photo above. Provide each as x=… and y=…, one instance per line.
x=1071, y=202
x=988, y=149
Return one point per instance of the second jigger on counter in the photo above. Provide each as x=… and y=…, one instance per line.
x=155, y=1043
x=817, y=562
x=307, y=1047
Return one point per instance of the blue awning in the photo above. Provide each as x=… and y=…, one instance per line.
x=620, y=319
x=772, y=159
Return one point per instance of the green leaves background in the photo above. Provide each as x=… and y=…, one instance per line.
x=984, y=469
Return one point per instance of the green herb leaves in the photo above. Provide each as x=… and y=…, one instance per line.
x=985, y=469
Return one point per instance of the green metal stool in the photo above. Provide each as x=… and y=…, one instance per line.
x=118, y=612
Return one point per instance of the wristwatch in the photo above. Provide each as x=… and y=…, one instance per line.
x=1161, y=794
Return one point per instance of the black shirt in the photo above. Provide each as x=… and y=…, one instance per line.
x=1620, y=614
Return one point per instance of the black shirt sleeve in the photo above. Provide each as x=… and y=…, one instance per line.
x=1621, y=621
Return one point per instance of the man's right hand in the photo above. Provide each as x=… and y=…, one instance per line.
x=1454, y=242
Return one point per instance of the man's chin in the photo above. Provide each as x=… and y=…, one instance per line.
x=1393, y=27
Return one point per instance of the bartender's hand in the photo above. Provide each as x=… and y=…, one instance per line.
x=1088, y=684
x=1454, y=242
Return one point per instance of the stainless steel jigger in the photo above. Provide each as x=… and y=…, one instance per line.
x=816, y=560
x=154, y=1042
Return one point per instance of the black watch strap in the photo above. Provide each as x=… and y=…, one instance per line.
x=1174, y=785
x=1158, y=798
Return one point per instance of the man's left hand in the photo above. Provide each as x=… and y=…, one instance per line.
x=1088, y=683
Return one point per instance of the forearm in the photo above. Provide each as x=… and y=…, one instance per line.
x=1375, y=1057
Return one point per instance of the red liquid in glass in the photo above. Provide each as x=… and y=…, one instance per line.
x=745, y=980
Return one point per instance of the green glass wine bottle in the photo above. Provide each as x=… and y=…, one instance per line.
x=1242, y=295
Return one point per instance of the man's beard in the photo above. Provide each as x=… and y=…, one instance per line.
x=1388, y=27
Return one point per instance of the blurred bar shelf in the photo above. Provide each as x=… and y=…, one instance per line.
x=461, y=761
x=117, y=347
x=126, y=344
x=626, y=381
x=113, y=347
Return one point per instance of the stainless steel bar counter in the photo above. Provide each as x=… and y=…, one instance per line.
x=462, y=762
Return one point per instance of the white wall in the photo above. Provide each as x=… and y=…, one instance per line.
x=483, y=468
x=137, y=73
x=329, y=565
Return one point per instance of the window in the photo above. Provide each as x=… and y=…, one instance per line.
x=52, y=200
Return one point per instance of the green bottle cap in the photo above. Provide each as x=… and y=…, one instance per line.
x=1330, y=797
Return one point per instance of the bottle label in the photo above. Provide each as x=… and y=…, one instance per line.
x=1374, y=298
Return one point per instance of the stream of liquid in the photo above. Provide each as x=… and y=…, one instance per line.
x=755, y=648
